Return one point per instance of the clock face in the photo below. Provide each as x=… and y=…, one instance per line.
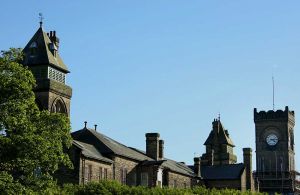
x=272, y=139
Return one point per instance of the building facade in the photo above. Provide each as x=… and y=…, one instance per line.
x=41, y=55
x=218, y=167
x=96, y=157
x=275, y=154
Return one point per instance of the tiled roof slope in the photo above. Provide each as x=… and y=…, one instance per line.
x=90, y=151
x=218, y=133
x=216, y=172
x=170, y=164
x=106, y=145
x=43, y=56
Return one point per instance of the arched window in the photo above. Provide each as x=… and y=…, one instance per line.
x=58, y=107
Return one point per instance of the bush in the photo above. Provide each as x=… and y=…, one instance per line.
x=115, y=188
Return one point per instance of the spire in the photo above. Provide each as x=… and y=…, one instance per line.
x=41, y=19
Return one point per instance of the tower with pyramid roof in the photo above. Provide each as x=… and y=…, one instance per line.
x=219, y=146
x=41, y=55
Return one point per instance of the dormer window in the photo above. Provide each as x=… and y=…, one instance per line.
x=33, y=45
x=33, y=49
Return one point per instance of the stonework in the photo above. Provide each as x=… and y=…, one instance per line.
x=50, y=72
x=274, y=134
x=96, y=157
x=219, y=147
x=125, y=170
x=175, y=180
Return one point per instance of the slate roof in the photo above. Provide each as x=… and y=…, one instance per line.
x=178, y=167
x=170, y=164
x=219, y=131
x=220, y=172
x=43, y=56
x=107, y=145
x=90, y=151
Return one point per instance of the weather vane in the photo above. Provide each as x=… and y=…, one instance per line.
x=41, y=19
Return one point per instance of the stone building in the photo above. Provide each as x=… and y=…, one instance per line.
x=218, y=167
x=275, y=153
x=41, y=55
x=97, y=157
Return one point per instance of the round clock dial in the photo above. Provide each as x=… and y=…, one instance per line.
x=272, y=139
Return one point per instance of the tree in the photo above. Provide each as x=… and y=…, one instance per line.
x=32, y=142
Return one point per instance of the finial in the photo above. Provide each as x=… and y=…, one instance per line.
x=95, y=127
x=219, y=116
x=41, y=19
x=85, y=124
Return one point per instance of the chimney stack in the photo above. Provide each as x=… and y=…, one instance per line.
x=247, y=153
x=161, y=149
x=54, y=39
x=152, y=145
x=197, y=166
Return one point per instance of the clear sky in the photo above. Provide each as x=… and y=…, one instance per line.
x=170, y=66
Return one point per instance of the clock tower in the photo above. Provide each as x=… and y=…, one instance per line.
x=275, y=162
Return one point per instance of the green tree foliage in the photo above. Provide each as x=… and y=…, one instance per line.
x=31, y=141
x=115, y=188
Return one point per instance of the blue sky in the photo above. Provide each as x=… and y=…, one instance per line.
x=170, y=66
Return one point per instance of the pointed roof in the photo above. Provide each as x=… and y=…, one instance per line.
x=219, y=134
x=99, y=145
x=106, y=145
x=43, y=55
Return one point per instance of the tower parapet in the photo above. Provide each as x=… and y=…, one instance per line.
x=284, y=115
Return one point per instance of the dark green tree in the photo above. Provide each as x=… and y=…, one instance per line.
x=32, y=142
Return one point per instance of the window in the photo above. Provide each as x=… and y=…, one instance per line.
x=90, y=173
x=144, y=179
x=133, y=176
x=100, y=173
x=123, y=175
x=58, y=107
x=175, y=183
x=105, y=173
x=33, y=49
x=56, y=75
x=86, y=174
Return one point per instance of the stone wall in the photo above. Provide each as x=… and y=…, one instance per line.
x=175, y=180
x=127, y=166
x=93, y=170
